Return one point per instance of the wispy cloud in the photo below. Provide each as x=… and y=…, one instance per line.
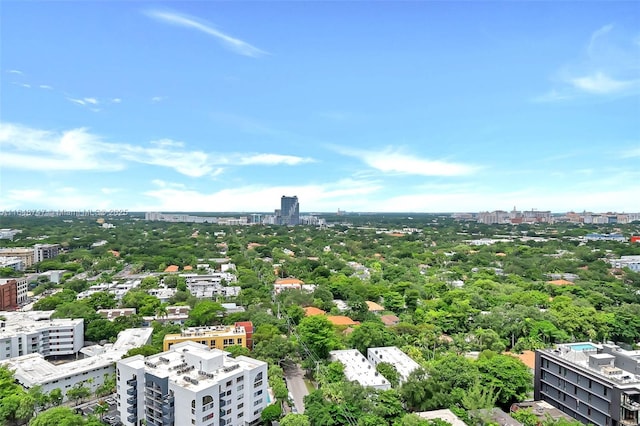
x=92, y=101
x=15, y=72
x=77, y=101
x=274, y=159
x=393, y=161
x=234, y=44
x=116, y=100
x=25, y=85
x=45, y=86
x=78, y=149
x=157, y=99
x=631, y=153
x=321, y=197
x=607, y=67
x=601, y=84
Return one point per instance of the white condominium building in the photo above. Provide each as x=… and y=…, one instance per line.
x=23, y=333
x=358, y=369
x=191, y=385
x=45, y=251
x=394, y=356
x=33, y=370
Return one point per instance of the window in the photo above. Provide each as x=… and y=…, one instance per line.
x=590, y=383
x=240, y=405
x=257, y=402
x=228, y=383
x=240, y=379
x=239, y=341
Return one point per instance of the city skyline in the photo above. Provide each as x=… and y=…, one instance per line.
x=362, y=107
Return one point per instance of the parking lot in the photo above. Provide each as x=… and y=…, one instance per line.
x=111, y=417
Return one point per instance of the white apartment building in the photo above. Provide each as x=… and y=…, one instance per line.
x=33, y=370
x=631, y=262
x=191, y=385
x=211, y=285
x=45, y=251
x=358, y=369
x=23, y=333
x=14, y=263
x=394, y=356
x=23, y=287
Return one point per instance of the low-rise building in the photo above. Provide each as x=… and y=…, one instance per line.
x=9, y=296
x=598, y=384
x=112, y=314
x=45, y=251
x=24, y=253
x=175, y=315
x=33, y=370
x=191, y=384
x=631, y=262
x=358, y=369
x=218, y=337
x=23, y=333
x=22, y=285
x=403, y=364
x=12, y=262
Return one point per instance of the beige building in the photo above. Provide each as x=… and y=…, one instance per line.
x=22, y=253
x=218, y=337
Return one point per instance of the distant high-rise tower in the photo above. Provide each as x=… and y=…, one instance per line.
x=289, y=210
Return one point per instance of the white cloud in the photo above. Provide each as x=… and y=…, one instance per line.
x=236, y=45
x=92, y=101
x=390, y=160
x=601, y=84
x=157, y=99
x=109, y=191
x=78, y=149
x=317, y=197
x=273, y=159
x=600, y=32
x=15, y=72
x=25, y=85
x=116, y=100
x=46, y=87
x=32, y=149
x=77, y=101
x=64, y=198
x=631, y=153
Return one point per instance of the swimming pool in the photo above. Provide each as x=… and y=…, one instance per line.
x=579, y=347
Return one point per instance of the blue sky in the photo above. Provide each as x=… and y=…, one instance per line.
x=359, y=106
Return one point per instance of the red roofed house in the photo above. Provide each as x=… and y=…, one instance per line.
x=287, y=284
x=374, y=307
x=341, y=320
x=311, y=311
x=172, y=268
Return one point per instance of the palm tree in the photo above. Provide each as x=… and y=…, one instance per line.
x=101, y=409
x=161, y=310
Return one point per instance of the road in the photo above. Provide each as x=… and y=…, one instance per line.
x=294, y=377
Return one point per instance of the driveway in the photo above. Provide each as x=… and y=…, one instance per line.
x=294, y=376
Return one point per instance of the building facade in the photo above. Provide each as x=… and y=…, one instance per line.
x=23, y=333
x=218, y=337
x=22, y=284
x=45, y=251
x=26, y=254
x=598, y=384
x=191, y=384
x=9, y=295
x=91, y=371
x=289, y=210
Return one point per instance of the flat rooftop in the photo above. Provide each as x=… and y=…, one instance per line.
x=179, y=365
x=619, y=368
x=358, y=368
x=401, y=361
x=31, y=322
x=33, y=369
x=213, y=331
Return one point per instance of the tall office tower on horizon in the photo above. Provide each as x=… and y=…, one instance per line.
x=289, y=210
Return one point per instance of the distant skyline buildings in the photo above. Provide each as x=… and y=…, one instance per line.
x=289, y=210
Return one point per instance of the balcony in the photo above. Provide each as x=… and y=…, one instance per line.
x=631, y=405
x=132, y=419
x=132, y=382
x=167, y=418
x=629, y=422
x=132, y=401
x=132, y=409
x=132, y=391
